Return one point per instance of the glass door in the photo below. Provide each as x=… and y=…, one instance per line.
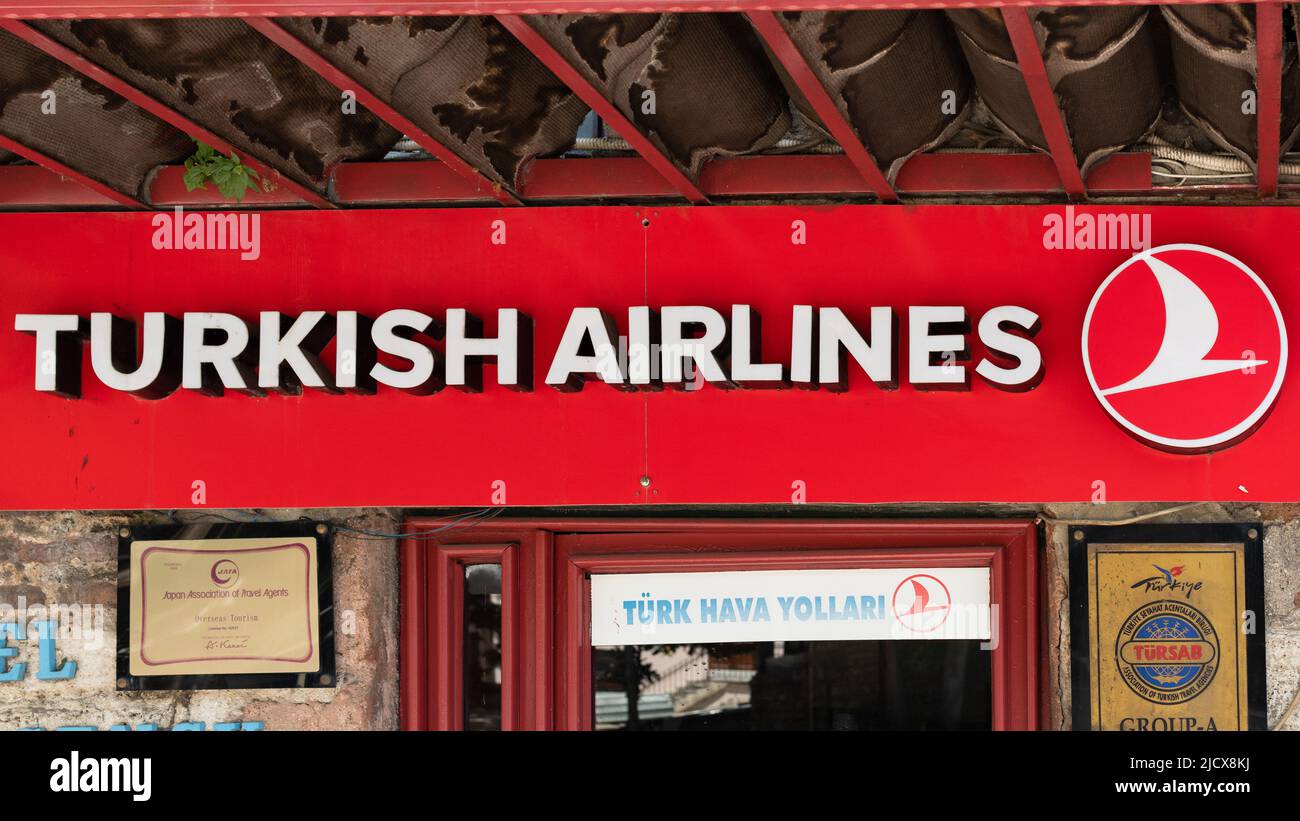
x=658, y=624
x=780, y=630
x=791, y=685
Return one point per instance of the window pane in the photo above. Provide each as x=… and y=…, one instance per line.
x=810, y=685
x=482, y=647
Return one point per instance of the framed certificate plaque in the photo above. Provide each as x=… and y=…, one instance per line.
x=224, y=606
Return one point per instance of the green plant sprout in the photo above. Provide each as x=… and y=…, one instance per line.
x=233, y=178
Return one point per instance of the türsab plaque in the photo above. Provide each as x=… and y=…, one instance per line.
x=1167, y=627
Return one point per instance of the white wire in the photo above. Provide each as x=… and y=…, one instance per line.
x=1156, y=173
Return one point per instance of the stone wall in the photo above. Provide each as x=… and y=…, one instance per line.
x=49, y=559
x=70, y=558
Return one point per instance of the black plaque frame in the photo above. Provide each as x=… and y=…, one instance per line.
x=1081, y=536
x=320, y=531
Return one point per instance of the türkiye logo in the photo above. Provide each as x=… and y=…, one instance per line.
x=1184, y=346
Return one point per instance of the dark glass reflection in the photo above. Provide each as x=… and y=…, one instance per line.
x=810, y=685
x=482, y=647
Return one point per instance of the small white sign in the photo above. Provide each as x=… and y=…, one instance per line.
x=790, y=605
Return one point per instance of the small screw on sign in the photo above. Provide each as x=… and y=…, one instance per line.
x=645, y=481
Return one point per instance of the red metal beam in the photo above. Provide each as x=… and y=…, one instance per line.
x=1030, y=58
x=829, y=175
x=426, y=182
x=606, y=110
x=600, y=178
x=168, y=190
x=1268, y=90
x=407, y=182
x=37, y=9
x=13, y=186
x=796, y=65
x=340, y=80
x=173, y=118
x=976, y=173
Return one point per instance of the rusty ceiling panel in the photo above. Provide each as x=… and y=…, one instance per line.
x=464, y=80
x=89, y=129
x=897, y=76
x=231, y=80
x=1214, y=63
x=992, y=61
x=1101, y=63
x=697, y=85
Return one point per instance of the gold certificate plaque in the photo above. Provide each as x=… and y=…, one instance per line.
x=224, y=606
x=1166, y=641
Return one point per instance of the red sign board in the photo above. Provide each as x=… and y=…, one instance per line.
x=1183, y=394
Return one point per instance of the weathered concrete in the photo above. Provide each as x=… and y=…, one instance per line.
x=71, y=559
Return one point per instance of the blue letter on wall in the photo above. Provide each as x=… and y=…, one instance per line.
x=47, y=669
x=11, y=630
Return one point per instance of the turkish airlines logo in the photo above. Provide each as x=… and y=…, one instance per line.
x=921, y=602
x=1185, y=347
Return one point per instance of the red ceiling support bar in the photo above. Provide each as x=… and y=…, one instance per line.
x=173, y=118
x=796, y=65
x=340, y=80
x=1268, y=89
x=606, y=110
x=429, y=182
x=1030, y=59
x=419, y=8
x=64, y=171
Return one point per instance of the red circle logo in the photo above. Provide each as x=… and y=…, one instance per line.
x=921, y=603
x=1185, y=348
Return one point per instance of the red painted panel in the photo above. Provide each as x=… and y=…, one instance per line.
x=110, y=450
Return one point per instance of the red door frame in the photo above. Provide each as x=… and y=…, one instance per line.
x=546, y=564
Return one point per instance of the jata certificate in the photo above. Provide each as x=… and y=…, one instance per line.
x=219, y=606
